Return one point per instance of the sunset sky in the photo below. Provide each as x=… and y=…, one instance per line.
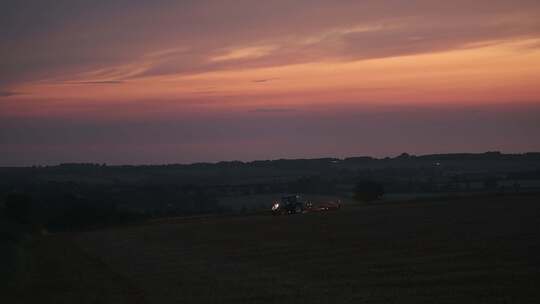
x=151, y=82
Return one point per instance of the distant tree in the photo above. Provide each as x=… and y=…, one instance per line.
x=367, y=191
x=244, y=209
x=490, y=183
x=404, y=156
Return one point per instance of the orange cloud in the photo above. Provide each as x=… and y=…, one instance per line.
x=245, y=53
x=497, y=73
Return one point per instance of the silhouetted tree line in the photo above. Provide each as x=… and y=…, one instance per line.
x=72, y=196
x=74, y=206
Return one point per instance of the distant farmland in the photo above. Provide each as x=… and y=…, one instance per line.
x=466, y=251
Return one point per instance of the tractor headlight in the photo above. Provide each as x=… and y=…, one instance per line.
x=275, y=206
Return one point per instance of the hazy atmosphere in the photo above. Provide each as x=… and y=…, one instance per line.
x=281, y=151
x=133, y=82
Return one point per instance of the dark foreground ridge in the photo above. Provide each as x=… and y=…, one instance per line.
x=439, y=228
x=482, y=250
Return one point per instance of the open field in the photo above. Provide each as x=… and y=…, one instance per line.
x=466, y=251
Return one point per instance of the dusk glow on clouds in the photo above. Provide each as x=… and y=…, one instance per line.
x=181, y=81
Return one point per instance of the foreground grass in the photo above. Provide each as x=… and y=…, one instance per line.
x=482, y=250
x=51, y=269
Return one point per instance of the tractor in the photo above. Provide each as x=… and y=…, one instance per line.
x=289, y=204
x=292, y=204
